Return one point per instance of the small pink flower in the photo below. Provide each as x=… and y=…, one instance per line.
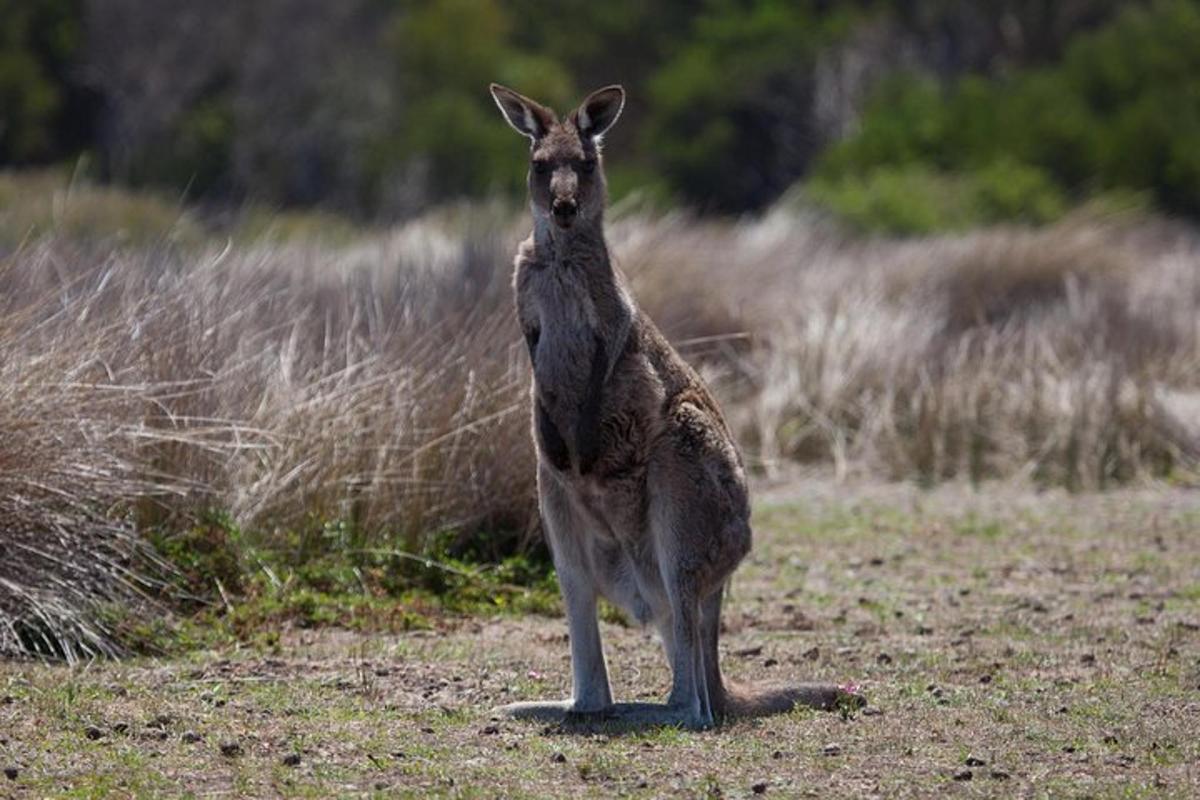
x=850, y=687
x=534, y=675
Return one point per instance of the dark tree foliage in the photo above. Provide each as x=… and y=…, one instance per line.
x=1118, y=111
x=380, y=108
x=45, y=108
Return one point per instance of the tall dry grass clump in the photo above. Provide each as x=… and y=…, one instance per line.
x=1069, y=355
x=380, y=383
x=67, y=471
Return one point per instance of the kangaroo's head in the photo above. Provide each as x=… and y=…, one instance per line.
x=566, y=178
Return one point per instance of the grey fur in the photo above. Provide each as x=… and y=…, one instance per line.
x=642, y=490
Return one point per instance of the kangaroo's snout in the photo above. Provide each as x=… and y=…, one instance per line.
x=564, y=188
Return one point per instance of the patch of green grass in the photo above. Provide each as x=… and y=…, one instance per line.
x=304, y=607
x=974, y=525
x=205, y=554
x=1189, y=593
x=163, y=634
x=236, y=586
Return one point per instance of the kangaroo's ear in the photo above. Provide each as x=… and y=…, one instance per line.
x=527, y=117
x=599, y=111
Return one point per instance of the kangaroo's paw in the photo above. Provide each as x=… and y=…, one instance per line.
x=618, y=716
x=552, y=711
x=688, y=717
x=632, y=716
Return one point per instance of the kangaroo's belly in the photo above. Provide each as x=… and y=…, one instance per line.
x=607, y=536
x=621, y=554
x=625, y=581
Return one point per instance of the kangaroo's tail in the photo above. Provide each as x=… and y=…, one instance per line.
x=761, y=701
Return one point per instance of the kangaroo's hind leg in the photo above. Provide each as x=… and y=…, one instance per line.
x=689, y=702
x=698, y=520
x=710, y=633
x=692, y=584
x=591, y=693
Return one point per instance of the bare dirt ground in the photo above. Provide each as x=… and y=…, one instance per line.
x=1010, y=644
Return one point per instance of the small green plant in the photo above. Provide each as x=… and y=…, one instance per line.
x=206, y=554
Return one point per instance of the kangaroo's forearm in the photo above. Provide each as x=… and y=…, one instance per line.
x=587, y=434
x=553, y=444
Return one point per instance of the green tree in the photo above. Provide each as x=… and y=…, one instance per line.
x=1119, y=112
x=452, y=139
x=38, y=42
x=731, y=122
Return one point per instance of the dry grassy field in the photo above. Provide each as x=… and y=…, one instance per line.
x=319, y=388
x=1010, y=644
x=282, y=466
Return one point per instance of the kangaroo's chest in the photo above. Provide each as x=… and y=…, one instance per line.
x=577, y=320
x=567, y=332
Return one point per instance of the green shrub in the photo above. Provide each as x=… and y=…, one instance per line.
x=915, y=199
x=893, y=199
x=730, y=121
x=451, y=129
x=1007, y=190
x=1121, y=111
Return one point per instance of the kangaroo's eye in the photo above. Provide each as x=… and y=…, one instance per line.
x=541, y=167
x=589, y=167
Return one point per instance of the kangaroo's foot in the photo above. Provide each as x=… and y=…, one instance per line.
x=819, y=696
x=618, y=716
x=687, y=711
x=685, y=715
x=636, y=716
x=553, y=711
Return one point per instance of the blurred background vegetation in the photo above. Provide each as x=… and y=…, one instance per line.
x=898, y=115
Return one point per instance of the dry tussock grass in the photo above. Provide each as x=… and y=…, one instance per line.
x=383, y=383
x=1068, y=355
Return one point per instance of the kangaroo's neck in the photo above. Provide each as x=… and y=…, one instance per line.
x=575, y=268
x=581, y=246
x=571, y=294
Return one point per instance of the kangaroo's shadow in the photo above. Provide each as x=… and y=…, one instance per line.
x=630, y=718
x=619, y=718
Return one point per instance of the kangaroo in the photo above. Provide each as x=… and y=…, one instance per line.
x=641, y=488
